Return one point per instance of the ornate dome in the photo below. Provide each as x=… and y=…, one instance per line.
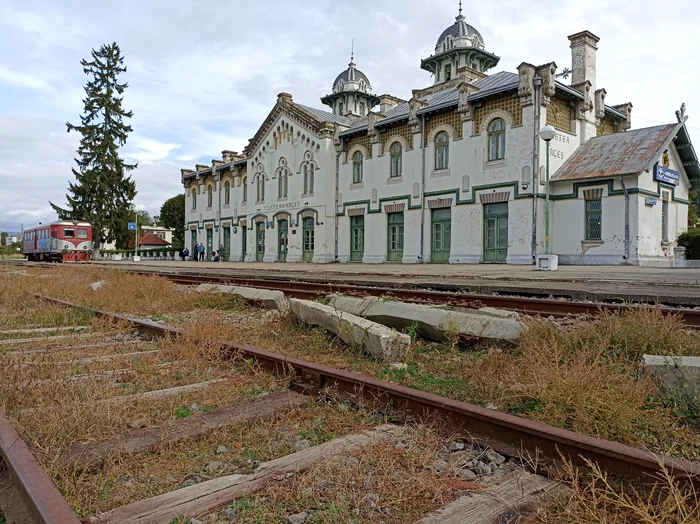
x=351, y=74
x=458, y=29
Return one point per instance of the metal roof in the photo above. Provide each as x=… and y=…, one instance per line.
x=351, y=74
x=628, y=153
x=459, y=28
x=325, y=116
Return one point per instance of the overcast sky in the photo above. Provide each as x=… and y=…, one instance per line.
x=203, y=74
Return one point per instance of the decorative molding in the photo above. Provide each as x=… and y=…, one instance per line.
x=356, y=211
x=355, y=148
x=396, y=138
x=495, y=197
x=547, y=73
x=526, y=86
x=395, y=208
x=593, y=194
x=439, y=203
x=493, y=115
x=441, y=127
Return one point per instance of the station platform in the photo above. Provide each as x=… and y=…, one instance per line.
x=596, y=283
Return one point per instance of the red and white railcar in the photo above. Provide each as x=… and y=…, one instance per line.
x=62, y=241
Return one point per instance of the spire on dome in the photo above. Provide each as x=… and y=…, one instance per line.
x=459, y=16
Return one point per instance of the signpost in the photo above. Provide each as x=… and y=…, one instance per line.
x=133, y=226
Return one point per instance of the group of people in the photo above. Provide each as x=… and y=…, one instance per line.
x=198, y=251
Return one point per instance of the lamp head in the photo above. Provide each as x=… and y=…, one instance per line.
x=547, y=133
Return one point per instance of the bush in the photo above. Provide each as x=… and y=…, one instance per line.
x=691, y=242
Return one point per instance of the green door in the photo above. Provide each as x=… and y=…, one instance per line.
x=244, y=240
x=227, y=244
x=210, y=243
x=395, y=237
x=440, y=241
x=496, y=232
x=282, y=240
x=357, y=238
x=259, y=241
x=308, y=236
x=194, y=241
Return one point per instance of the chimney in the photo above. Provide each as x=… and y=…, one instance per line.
x=583, y=49
x=386, y=102
x=228, y=155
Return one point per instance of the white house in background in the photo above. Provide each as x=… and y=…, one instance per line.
x=163, y=233
x=455, y=174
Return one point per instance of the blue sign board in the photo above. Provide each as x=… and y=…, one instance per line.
x=651, y=201
x=132, y=226
x=664, y=174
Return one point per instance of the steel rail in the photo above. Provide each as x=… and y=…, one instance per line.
x=527, y=306
x=514, y=436
x=42, y=498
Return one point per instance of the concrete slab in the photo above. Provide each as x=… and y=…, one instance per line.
x=433, y=322
x=677, y=374
x=380, y=341
x=269, y=299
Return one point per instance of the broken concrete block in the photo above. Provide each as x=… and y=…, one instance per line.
x=432, y=321
x=97, y=285
x=376, y=339
x=268, y=298
x=676, y=374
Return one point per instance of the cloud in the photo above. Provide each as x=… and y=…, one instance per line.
x=203, y=75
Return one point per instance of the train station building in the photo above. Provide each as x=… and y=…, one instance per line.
x=454, y=173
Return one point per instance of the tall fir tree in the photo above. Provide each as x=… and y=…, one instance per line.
x=103, y=191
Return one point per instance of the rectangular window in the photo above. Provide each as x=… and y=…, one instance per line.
x=69, y=233
x=594, y=219
x=664, y=219
x=448, y=72
x=82, y=232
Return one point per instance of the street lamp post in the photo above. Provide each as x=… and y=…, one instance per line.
x=547, y=133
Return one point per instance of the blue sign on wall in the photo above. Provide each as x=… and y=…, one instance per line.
x=132, y=226
x=664, y=174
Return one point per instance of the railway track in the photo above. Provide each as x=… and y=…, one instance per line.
x=506, y=435
x=526, y=306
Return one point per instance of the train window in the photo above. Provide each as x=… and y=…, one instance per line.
x=69, y=233
x=82, y=232
x=53, y=233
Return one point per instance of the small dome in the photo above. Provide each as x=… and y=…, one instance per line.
x=351, y=74
x=459, y=29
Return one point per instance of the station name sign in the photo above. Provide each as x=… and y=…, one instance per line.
x=666, y=175
x=284, y=205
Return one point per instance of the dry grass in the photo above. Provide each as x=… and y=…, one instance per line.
x=121, y=292
x=595, y=497
x=166, y=468
x=387, y=482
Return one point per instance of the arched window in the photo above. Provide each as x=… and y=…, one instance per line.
x=309, y=179
x=209, y=196
x=261, y=188
x=395, y=153
x=357, y=168
x=442, y=150
x=227, y=192
x=194, y=198
x=497, y=139
x=244, y=183
x=282, y=184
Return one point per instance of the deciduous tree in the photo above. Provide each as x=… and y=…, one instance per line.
x=172, y=215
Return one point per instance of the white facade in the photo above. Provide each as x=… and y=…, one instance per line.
x=444, y=177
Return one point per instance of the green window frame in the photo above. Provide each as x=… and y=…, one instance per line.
x=497, y=139
x=594, y=219
x=664, y=218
